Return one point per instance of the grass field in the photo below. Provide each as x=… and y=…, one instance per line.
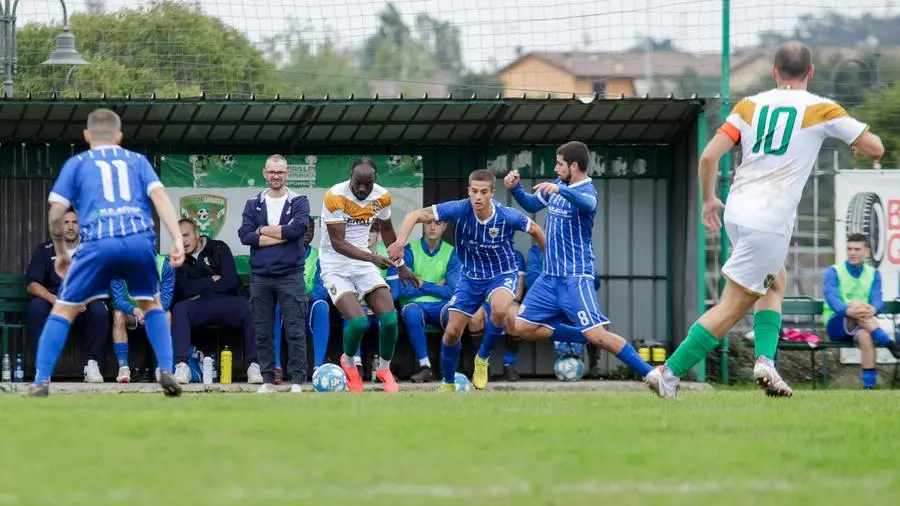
x=730, y=448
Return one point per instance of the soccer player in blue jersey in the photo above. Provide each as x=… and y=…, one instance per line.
x=110, y=188
x=484, y=234
x=565, y=290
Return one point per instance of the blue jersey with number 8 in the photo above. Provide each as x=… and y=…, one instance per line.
x=108, y=187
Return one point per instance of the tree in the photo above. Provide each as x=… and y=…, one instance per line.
x=835, y=29
x=167, y=48
x=882, y=112
x=482, y=84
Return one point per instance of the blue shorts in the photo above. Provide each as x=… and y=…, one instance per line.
x=97, y=263
x=470, y=293
x=431, y=311
x=553, y=297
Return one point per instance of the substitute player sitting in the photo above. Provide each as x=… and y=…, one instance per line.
x=108, y=187
x=484, y=234
x=565, y=289
x=351, y=272
x=780, y=132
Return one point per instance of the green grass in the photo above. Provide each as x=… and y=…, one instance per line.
x=730, y=448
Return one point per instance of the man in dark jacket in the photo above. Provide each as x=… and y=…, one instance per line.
x=206, y=288
x=273, y=225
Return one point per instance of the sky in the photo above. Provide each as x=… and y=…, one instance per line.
x=491, y=35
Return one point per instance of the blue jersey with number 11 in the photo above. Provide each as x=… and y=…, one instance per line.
x=109, y=188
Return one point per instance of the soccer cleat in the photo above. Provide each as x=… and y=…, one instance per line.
x=170, y=386
x=296, y=389
x=354, y=382
x=254, y=376
x=662, y=382
x=386, y=377
x=279, y=376
x=511, y=373
x=182, y=373
x=42, y=390
x=423, y=376
x=124, y=375
x=480, y=377
x=92, y=372
x=768, y=379
x=447, y=387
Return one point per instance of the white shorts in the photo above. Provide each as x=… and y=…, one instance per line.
x=360, y=280
x=756, y=257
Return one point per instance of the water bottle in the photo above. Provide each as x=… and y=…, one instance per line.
x=20, y=369
x=207, y=370
x=215, y=372
x=226, y=366
x=374, y=368
x=7, y=372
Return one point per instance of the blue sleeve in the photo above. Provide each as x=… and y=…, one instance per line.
x=832, y=292
x=582, y=201
x=247, y=232
x=534, y=265
x=875, y=294
x=528, y=202
x=597, y=282
x=65, y=188
x=451, y=210
x=296, y=228
x=516, y=218
x=393, y=281
x=520, y=261
x=167, y=286
x=453, y=270
x=318, y=291
x=228, y=283
x=120, y=296
x=149, y=179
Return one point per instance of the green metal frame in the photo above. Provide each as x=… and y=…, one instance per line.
x=725, y=163
x=701, y=239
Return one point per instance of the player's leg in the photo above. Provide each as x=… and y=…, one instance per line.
x=540, y=317
x=766, y=330
x=869, y=335
x=414, y=322
x=121, y=323
x=464, y=304
x=291, y=292
x=500, y=296
x=317, y=325
x=343, y=295
x=379, y=300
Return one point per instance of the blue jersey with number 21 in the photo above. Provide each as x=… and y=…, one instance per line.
x=109, y=188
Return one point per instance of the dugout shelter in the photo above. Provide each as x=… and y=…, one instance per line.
x=644, y=163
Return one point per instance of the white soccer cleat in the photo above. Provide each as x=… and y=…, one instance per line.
x=157, y=374
x=267, y=388
x=124, y=375
x=254, y=376
x=663, y=382
x=92, y=372
x=768, y=379
x=182, y=373
x=296, y=389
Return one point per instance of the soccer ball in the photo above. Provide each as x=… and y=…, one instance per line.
x=568, y=369
x=329, y=378
x=568, y=349
x=462, y=382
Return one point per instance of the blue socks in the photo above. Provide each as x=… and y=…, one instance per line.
x=276, y=334
x=568, y=334
x=510, y=358
x=880, y=337
x=121, y=351
x=630, y=357
x=160, y=336
x=869, y=378
x=50, y=345
x=491, y=334
x=319, y=326
x=449, y=360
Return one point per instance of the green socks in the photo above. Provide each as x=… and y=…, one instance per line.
x=387, y=336
x=693, y=349
x=354, y=331
x=766, y=327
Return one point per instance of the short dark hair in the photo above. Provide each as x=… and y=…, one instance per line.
x=364, y=161
x=858, y=238
x=575, y=152
x=482, y=175
x=793, y=60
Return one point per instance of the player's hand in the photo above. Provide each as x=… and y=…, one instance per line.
x=382, y=262
x=407, y=277
x=63, y=261
x=138, y=315
x=176, y=256
x=82, y=308
x=547, y=188
x=216, y=278
x=710, y=213
x=395, y=251
x=511, y=180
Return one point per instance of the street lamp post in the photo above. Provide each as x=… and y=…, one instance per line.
x=64, y=54
x=868, y=65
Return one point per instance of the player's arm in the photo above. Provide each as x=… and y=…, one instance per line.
x=293, y=229
x=389, y=237
x=870, y=146
x=120, y=296
x=520, y=261
x=840, y=125
x=249, y=232
x=423, y=215
x=720, y=144
x=530, y=203
x=535, y=231
x=336, y=232
x=875, y=299
x=60, y=199
x=228, y=278
x=163, y=205
x=167, y=286
x=55, y=218
x=584, y=202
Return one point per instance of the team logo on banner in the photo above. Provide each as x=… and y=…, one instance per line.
x=208, y=211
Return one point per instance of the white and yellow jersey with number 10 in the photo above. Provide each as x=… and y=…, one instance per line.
x=781, y=132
